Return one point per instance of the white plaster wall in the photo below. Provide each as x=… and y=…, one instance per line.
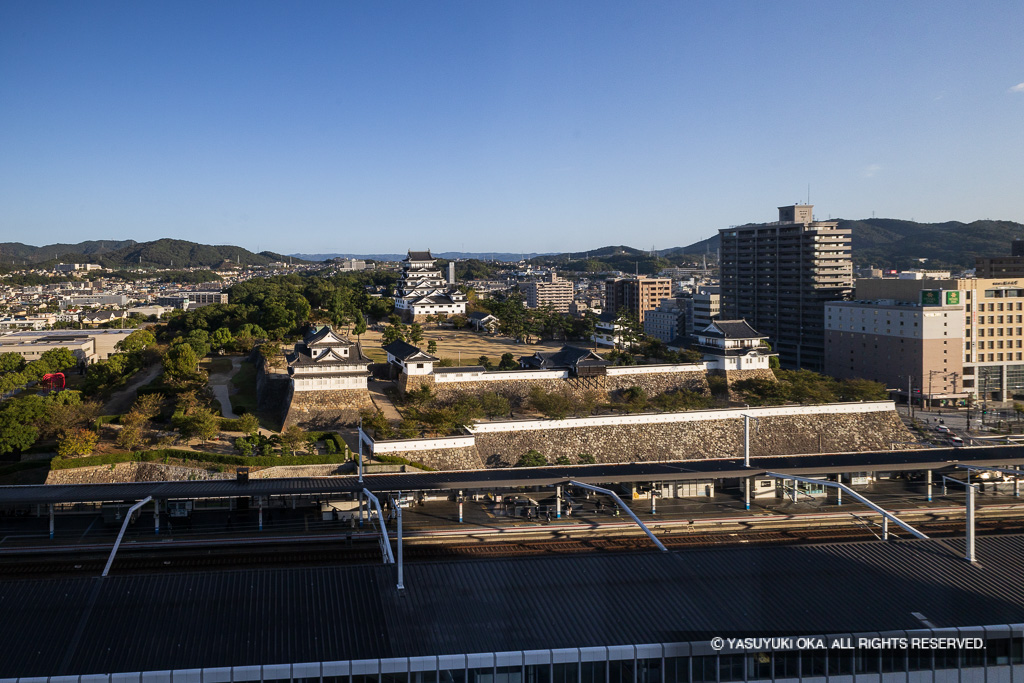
x=689, y=416
x=655, y=369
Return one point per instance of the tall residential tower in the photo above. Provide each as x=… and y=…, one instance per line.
x=778, y=276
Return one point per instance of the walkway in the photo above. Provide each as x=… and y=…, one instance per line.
x=221, y=386
x=121, y=400
x=381, y=401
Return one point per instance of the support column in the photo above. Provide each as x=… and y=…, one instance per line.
x=51, y=521
x=156, y=516
x=970, y=524
x=558, y=502
x=746, y=493
x=929, y=486
x=839, y=492
x=398, y=516
x=794, y=490
x=654, y=508
x=360, y=504
x=261, y=515
x=460, y=507
x=1016, y=483
x=885, y=528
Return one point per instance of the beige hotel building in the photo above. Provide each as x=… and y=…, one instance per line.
x=948, y=350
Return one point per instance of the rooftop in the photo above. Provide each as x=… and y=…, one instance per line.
x=271, y=616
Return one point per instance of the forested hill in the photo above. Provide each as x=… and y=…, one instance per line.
x=886, y=242
x=18, y=254
x=163, y=253
x=893, y=243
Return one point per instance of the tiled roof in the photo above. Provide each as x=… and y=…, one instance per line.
x=404, y=351
x=420, y=256
x=731, y=329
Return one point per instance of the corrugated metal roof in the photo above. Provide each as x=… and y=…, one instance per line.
x=934, y=458
x=153, y=622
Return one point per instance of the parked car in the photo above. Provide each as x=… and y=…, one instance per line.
x=942, y=429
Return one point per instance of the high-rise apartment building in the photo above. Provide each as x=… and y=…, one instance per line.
x=552, y=290
x=778, y=276
x=637, y=295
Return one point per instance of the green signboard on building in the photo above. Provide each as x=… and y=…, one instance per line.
x=953, y=298
x=931, y=297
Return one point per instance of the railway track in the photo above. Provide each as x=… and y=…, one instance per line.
x=177, y=559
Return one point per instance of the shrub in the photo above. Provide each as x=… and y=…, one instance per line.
x=531, y=458
x=586, y=459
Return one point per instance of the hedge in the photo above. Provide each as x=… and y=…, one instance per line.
x=160, y=455
x=395, y=460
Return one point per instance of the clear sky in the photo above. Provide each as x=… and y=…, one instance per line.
x=357, y=127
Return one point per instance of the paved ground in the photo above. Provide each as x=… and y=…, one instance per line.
x=221, y=386
x=381, y=400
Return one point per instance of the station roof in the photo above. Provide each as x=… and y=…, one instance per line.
x=933, y=458
x=167, y=621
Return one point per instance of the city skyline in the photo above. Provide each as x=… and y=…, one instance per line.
x=501, y=127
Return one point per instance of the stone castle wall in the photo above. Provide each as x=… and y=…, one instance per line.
x=659, y=383
x=467, y=458
x=781, y=435
x=133, y=471
x=329, y=409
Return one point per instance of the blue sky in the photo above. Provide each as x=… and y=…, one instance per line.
x=491, y=126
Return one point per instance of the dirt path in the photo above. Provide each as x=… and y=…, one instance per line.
x=123, y=399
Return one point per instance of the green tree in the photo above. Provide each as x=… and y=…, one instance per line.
x=863, y=390
x=221, y=337
x=11, y=362
x=77, y=442
x=586, y=459
x=136, y=342
x=201, y=424
x=508, y=362
x=415, y=333
x=359, y=329
x=485, y=362
x=554, y=405
x=392, y=333
x=495, y=405
x=249, y=424
x=181, y=363
x=531, y=458
x=18, y=419
x=431, y=347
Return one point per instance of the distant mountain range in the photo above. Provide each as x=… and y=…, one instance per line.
x=881, y=242
x=446, y=255
x=163, y=253
x=892, y=243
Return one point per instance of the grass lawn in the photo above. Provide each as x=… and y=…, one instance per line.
x=216, y=366
x=245, y=381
